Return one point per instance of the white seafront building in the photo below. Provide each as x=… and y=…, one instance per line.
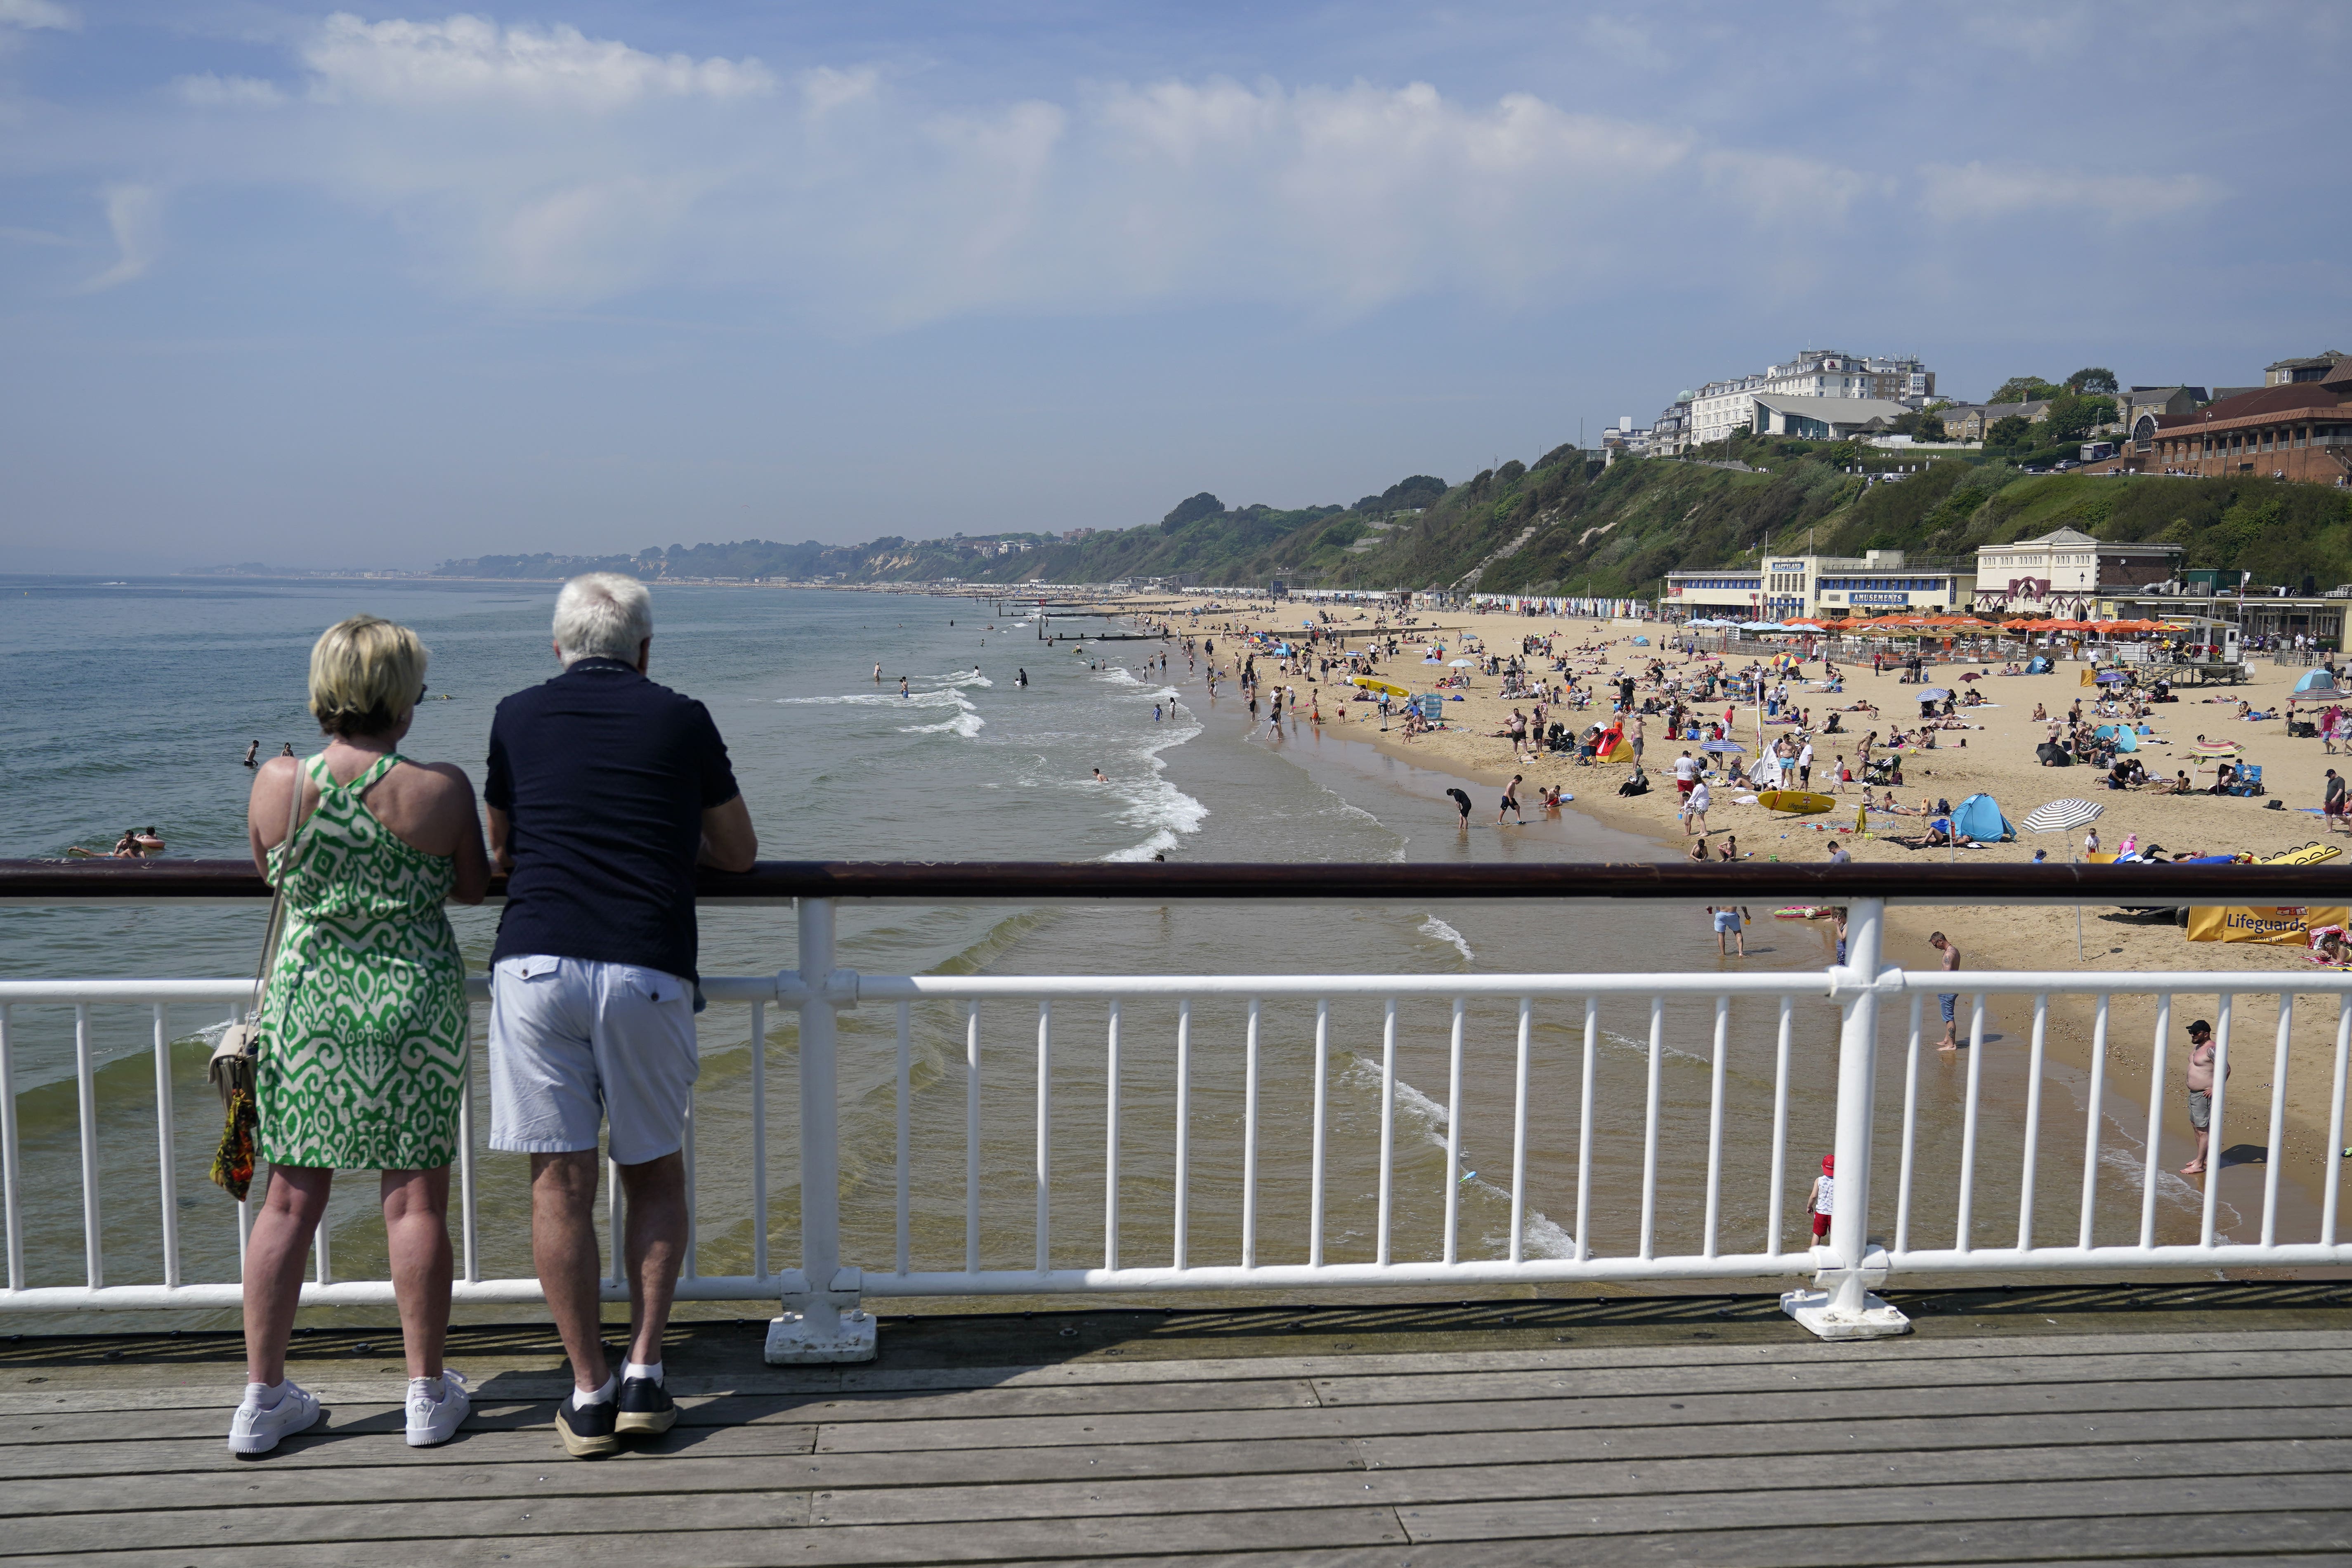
x=1881, y=582
x=2068, y=573
x=1725, y=408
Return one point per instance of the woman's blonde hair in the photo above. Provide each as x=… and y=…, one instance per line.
x=365, y=673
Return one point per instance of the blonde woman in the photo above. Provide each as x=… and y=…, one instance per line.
x=364, y=1029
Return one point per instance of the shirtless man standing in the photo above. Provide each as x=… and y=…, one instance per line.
x=1510, y=806
x=2200, y=1092
x=1949, y=1000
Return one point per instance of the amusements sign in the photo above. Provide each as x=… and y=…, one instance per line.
x=2283, y=925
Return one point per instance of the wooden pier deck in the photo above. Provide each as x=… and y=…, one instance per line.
x=2184, y=1424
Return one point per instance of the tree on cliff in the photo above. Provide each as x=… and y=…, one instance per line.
x=1192, y=510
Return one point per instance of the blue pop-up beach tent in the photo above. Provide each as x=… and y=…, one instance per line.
x=2037, y=665
x=1980, y=818
x=2315, y=682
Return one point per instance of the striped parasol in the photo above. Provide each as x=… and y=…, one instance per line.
x=2062, y=815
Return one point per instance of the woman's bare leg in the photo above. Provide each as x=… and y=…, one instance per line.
x=274, y=1257
x=416, y=1235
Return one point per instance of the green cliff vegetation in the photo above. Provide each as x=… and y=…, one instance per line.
x=1567, y=524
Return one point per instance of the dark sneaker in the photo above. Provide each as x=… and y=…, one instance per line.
x=646, y=1409
x=587, y=1434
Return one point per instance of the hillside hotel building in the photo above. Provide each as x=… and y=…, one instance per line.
x=1823, y=586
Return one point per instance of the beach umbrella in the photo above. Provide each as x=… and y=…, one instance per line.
x=2064, y=817
x=1727, y=748
x=1972, y=675
x=1461, y=663
x=2112, y=677
x=1933, y=694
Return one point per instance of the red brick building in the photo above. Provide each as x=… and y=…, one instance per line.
x=2300, y=430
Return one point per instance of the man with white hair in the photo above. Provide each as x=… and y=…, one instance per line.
x=604, y=791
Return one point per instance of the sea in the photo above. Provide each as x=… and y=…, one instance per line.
x=132, y=703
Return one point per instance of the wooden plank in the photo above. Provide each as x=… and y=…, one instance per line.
x=494, y=1414
x=1854, y=1375
x=1799, y=1349
x=85, y=1393
x=309, y=1451
x=1329, y=1557
x=1686, y=1511
x=573, y=1514
x=684, y=1470
x=2229, y=1541
x=1610, y=1481
x=1860, y=1432
x=1843, y=1547
x=1652, y=1410
x=2236, y=1538
x=1274, y=1533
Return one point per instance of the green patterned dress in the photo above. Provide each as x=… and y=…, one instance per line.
x=364, y=1064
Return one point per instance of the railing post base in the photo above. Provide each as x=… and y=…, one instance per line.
x=820, y=1326
x=1842, y=1306
x=1818, y=1311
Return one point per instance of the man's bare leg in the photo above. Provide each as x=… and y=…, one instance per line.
x=2197, y=1167
x=564, y=1250
x=655, y=1191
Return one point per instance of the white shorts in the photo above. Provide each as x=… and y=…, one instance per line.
x=574, y=1043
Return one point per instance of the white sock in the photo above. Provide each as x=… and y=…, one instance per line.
x=432, y=1388
x=640, y=1368
x=582, y=1400
x=266, y=1395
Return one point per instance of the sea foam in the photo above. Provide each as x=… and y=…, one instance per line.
x=1437, y=928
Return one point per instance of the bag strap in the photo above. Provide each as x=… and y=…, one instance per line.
x=275, y=928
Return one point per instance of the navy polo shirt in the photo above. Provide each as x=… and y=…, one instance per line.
x=604, y=776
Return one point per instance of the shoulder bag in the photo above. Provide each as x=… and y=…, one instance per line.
x=235, y=1058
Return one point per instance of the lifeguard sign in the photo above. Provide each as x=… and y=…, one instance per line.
x=2281, y=925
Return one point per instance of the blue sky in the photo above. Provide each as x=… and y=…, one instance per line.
x=383, y=286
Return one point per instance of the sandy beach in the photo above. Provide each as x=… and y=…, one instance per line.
x=1998, y=758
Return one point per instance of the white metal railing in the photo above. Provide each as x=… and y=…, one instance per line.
x=1290, y=1129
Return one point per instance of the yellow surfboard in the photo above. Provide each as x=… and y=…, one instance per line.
x=1802, y=803
x=1374, y=683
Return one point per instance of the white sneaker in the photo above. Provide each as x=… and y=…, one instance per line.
x=256, y=1430
x=432, y=1420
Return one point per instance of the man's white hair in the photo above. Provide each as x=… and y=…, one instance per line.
x=602, y=614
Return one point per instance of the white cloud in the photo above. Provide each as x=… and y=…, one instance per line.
x=498, y=159
x=209, y=92
x=824, y=90
x=1976, y=191
x=472, y=60
x=1785, y=188
x=38, y=14
x=135, y=215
